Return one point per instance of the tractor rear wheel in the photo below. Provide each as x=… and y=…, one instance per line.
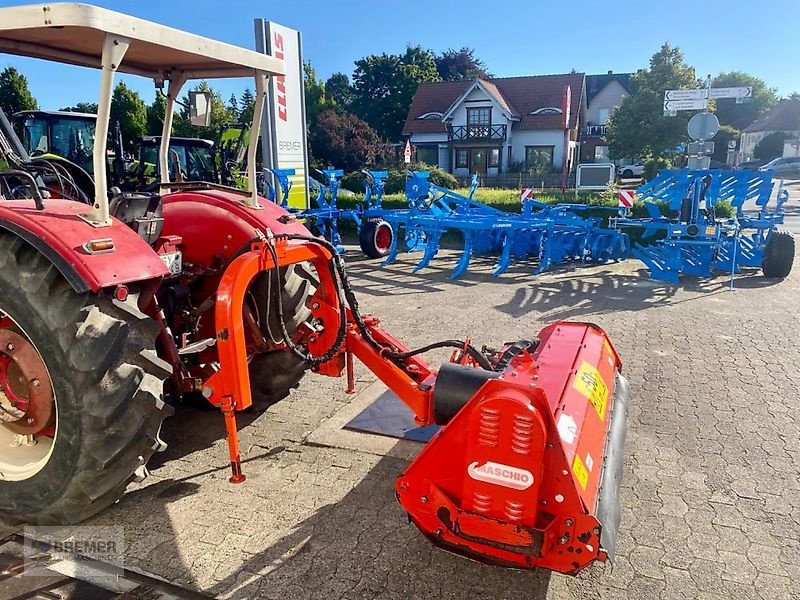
x=81, y=407
x=778, y=255
x=274, y=374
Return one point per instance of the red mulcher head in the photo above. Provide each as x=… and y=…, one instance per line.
x=527, y=472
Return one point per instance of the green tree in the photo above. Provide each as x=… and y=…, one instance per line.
x=338, y=90
x=770, y=146
x=233, y=106
x=247, y=104
x=82, y=107
x=155, y=115
x=459, y=65
x=638, y=128
x=315, y=93
x=129, y=109
x=741, y=115
x=383, y=86
x=14, y=92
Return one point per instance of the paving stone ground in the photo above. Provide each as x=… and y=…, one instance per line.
x=710, y=496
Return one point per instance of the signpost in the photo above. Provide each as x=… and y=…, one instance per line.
x=676, y=105
x=697, y=99
x=283, y=135
x=743, y=93
x=702, y=126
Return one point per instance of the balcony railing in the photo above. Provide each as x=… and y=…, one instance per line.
x=476, y=132
x=594, y=130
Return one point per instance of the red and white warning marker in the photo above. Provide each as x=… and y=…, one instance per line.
x=526, y=194
x=627, y=198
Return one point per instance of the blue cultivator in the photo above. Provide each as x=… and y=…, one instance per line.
x=282, y=177
x=696, y=241
x=551, y=234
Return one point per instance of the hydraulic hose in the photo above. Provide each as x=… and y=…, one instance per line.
x=352, y=302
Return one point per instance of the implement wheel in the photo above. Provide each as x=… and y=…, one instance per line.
x=778, y=255
x=376, y=238
x=80, y=406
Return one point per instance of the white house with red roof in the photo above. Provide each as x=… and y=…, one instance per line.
x=487, y=125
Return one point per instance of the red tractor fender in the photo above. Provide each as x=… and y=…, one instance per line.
x=60, y=234
x=215, y=224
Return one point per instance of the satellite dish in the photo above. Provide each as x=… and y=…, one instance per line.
x=703, y=126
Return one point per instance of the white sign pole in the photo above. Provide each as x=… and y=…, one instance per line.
x=283, y=138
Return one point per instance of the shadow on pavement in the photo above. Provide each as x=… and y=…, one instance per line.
x=362, y=546
x=359, y=545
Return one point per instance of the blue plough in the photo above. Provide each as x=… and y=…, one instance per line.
x=696, y=241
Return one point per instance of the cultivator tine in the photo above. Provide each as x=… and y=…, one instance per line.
x=505, y=257
x=394, y=248
x=431, y=250
x=466, y=255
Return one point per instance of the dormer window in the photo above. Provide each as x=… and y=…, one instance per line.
x=430, y=116
x=548, y=110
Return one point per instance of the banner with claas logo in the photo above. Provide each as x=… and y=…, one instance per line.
x=283, y=133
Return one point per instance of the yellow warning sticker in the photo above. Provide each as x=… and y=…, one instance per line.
x=590, y=383
x=711, y=230
x=581, y=474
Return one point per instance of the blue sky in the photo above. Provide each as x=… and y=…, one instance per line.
x=513, y=37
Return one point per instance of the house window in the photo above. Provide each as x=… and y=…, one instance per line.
x=428, y=155
x=548, y=110
x=494, y=157
x=479, y=116
x=462, y=158
x=601, y=153
x=602, y=115
x=539, y=156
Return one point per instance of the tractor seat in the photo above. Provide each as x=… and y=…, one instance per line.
x=140, y=211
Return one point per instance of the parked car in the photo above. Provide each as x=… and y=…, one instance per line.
x=629, y=171
x=788, y=167
x=749, y=165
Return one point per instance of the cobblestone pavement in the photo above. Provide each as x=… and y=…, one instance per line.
x=710, y=497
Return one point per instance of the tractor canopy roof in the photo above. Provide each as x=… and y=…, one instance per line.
x=74, y=34
x=79, y=34
x=61, y=114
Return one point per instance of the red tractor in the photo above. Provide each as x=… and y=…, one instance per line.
x=112, y=311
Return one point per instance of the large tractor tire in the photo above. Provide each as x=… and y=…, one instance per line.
x=778, y=255
x=274, y=374
x=81, y=406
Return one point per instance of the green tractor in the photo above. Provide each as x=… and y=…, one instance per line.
x=68, y=138
x=63, y=138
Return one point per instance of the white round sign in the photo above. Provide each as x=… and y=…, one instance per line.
x=703, y=126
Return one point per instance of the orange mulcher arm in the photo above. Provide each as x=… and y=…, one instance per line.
x=525, y=470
